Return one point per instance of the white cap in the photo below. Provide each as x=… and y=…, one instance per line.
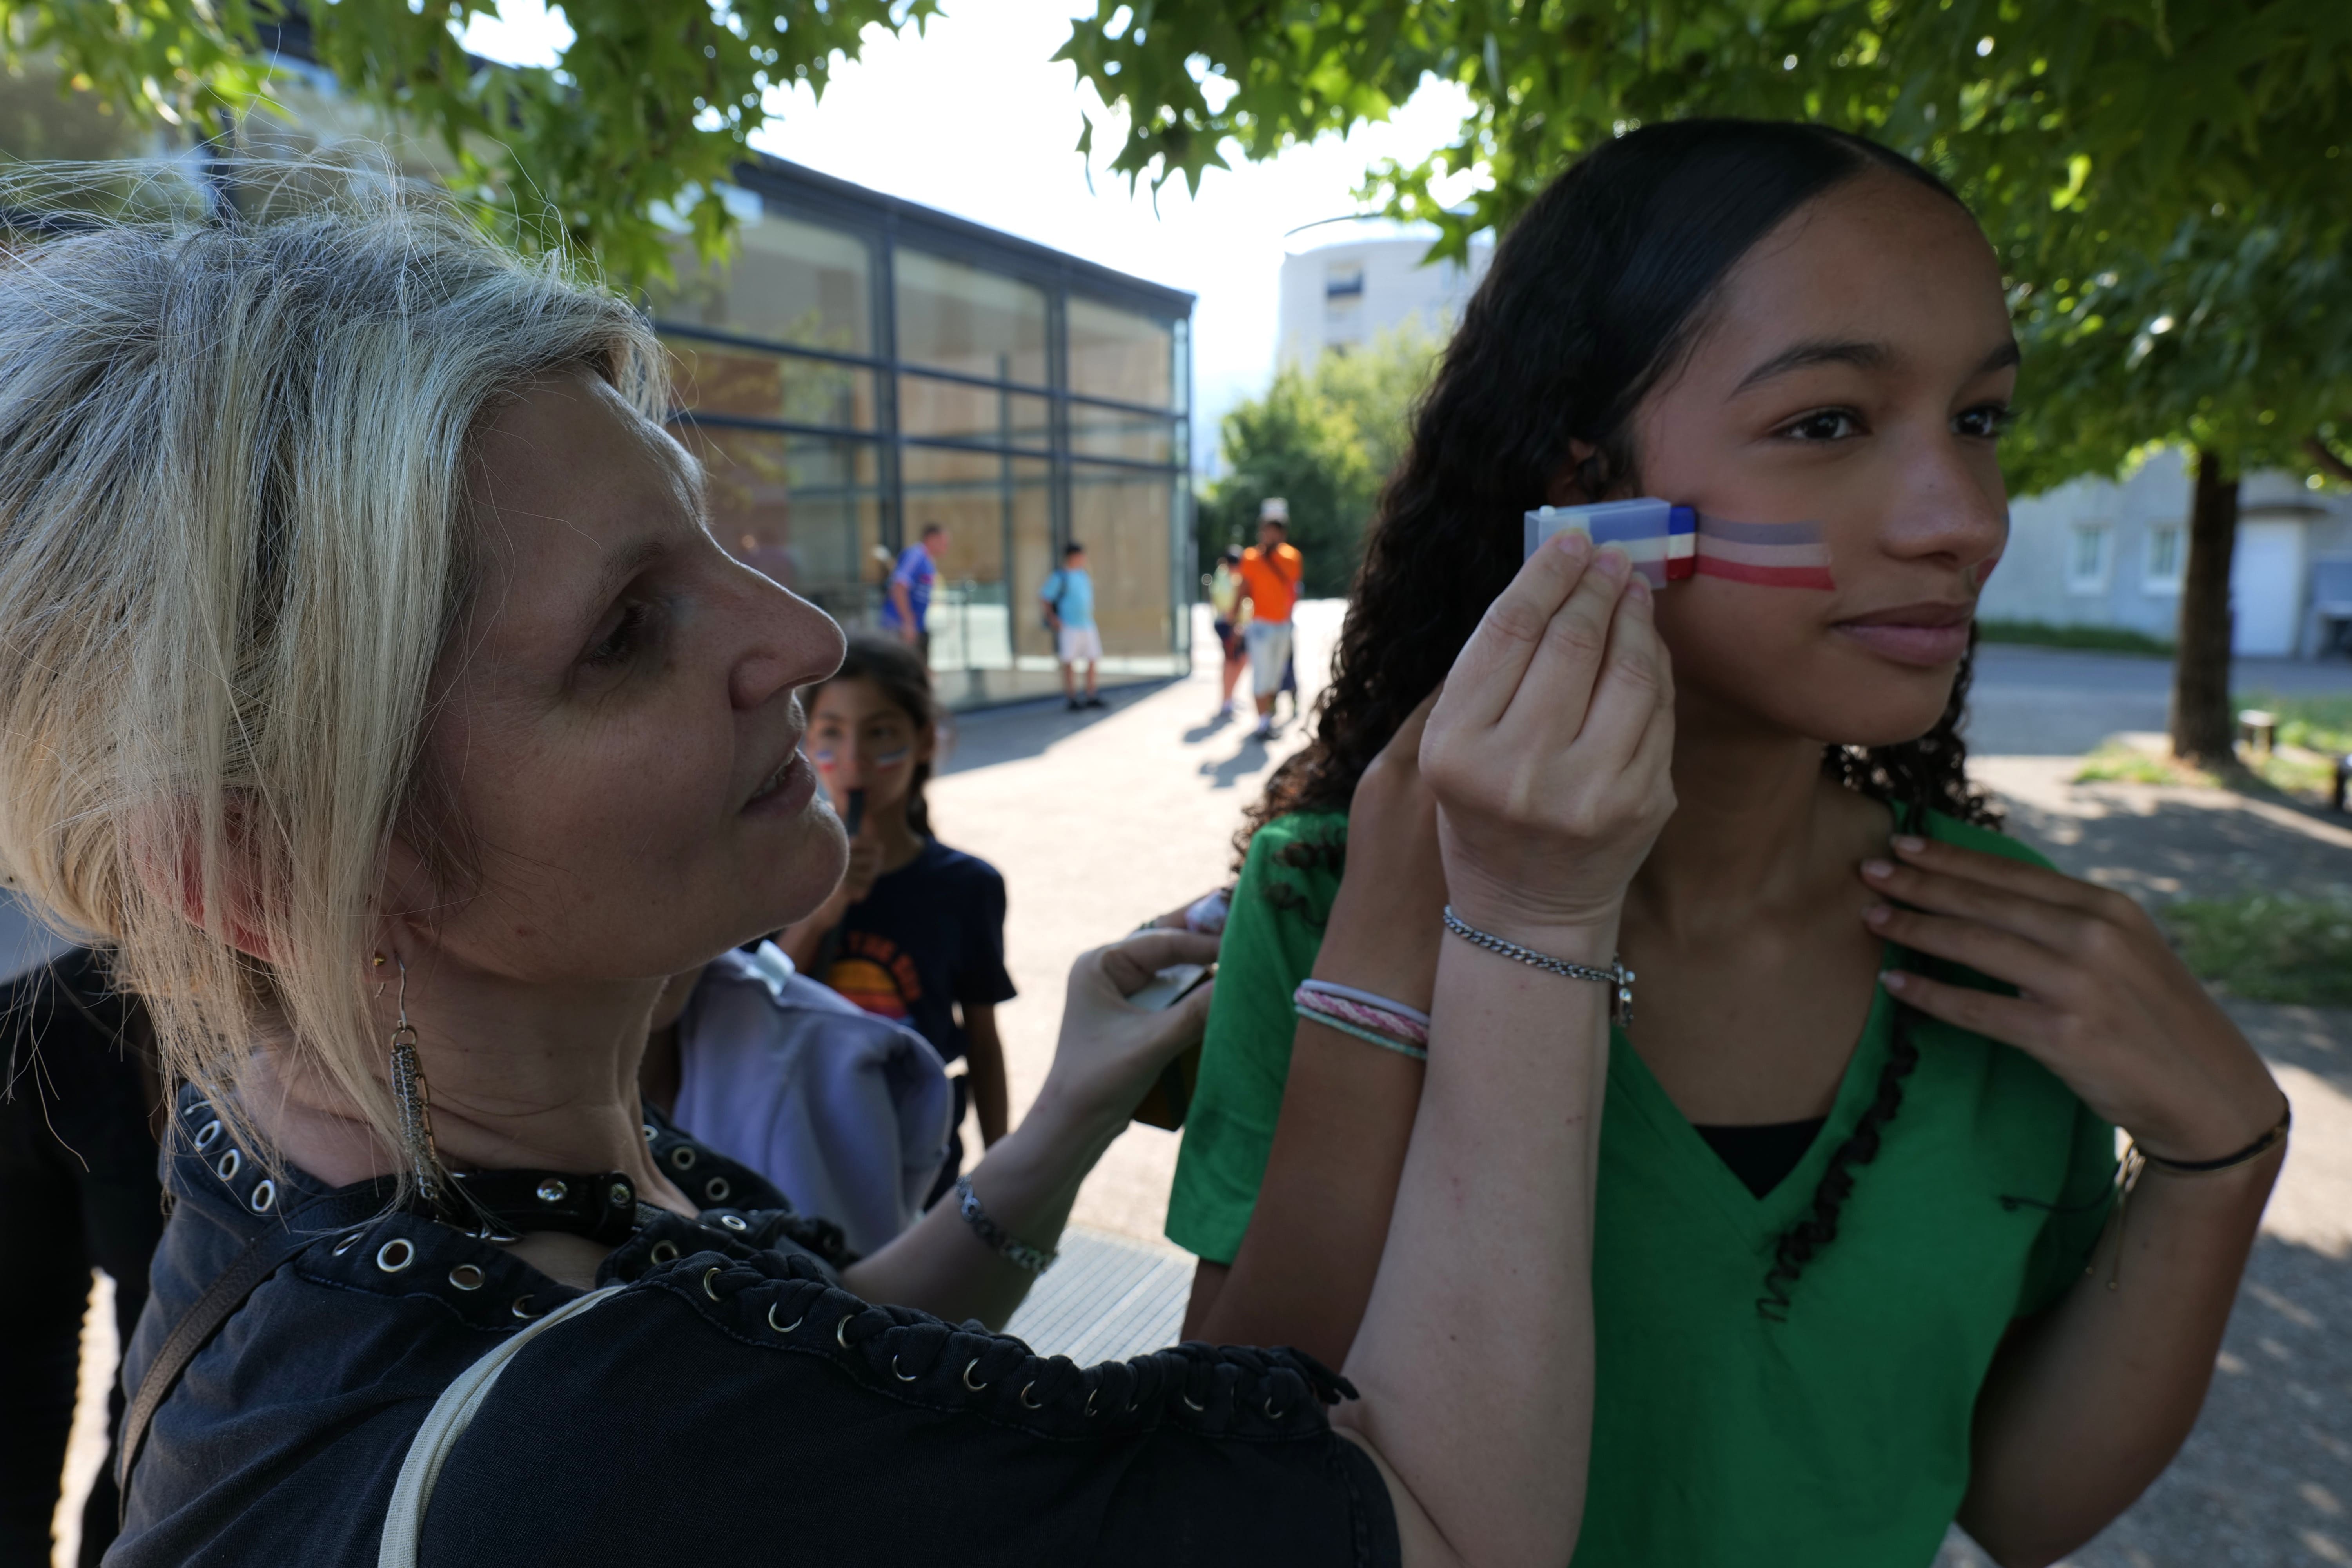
x=1273, y=509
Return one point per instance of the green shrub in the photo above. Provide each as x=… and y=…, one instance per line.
x=2103, y=639
x=2269, y=949
x=2115, y=762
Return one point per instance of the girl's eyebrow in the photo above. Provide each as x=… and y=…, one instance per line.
x=1862, y=355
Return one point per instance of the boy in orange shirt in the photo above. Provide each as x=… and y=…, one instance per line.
x=1270, y=575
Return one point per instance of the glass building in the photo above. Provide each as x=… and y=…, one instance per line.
x=864, y=367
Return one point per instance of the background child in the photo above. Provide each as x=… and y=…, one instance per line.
x=1068, y=596
x=916, y=930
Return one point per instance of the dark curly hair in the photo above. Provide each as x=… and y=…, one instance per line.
x=899, y=673
x=1593, y=297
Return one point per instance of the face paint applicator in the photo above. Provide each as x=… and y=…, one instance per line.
x=1669, y=543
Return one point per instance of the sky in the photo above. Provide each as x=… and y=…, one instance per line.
x=972, y=117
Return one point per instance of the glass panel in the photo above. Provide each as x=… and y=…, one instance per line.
x=1123, y=521
x=1115, y=433
x=718, y=378
x=1120, y=355
x=959, y=318
x=995, y=509
x=961, y=412
x=806, y=510
x=788, y=281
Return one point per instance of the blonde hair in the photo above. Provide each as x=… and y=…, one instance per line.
x=234, y=536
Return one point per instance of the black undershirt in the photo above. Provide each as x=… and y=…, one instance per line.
x=1762, y=1157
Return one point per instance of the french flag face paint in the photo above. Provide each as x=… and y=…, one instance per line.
x=1669, y=543
x=1656, y=535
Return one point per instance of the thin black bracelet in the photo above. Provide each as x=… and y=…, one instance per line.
x=2252, y=1151
x=1020, y=1254
x=1616, y=976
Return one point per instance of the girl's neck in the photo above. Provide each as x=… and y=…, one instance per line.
x=518, y=1075
x=900, y=843
x=1757, y=824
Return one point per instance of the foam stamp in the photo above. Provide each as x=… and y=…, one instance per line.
x=1668, y=543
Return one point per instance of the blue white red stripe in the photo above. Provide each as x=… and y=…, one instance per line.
x=1669, y=543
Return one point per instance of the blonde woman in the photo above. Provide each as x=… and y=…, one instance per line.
x=376, y=692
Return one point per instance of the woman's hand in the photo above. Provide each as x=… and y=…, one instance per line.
x=1548, y=751
x=1110, y=1051
x=2102, y=1001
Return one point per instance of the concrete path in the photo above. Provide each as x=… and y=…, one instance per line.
x=2058, y=702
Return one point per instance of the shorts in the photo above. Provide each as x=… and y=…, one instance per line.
x=1269, y=654
x=1077, y=644
x=1229, y=638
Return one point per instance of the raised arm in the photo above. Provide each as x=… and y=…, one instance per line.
x=1548, y=755
x=1305, y=1266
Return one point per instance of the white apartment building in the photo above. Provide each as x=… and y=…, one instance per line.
x=1358, y=281
x=2102, y=554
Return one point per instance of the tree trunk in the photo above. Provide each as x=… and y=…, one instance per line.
x=2203, y=729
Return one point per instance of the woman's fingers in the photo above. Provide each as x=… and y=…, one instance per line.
x=1990, y=951
x=1556, y=692
x=2011, y=1020
x=1129, y=964
x=2008, y=876
x=1635, y=684
x=1487, y=672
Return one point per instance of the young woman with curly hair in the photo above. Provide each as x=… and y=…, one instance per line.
x=1859, y=1267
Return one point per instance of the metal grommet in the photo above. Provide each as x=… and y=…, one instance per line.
x=663, y=1251
x=783, y=1328
x=716, y=1189
x=649, y=1132
x=901, y=1377
x=621, y=1195
x=395, y=1254
x=1190, y=1405
x=841, y=1330
x=1270, y=1413
x=349, y=1242
x=734, y=1222
x=707, y=1276
x=521, y=1308
x=208, y=1134
x=1090, y=1399
x=1027, y=1403
x=465, y=1277
x=682, y=1157
x=265, y=1193
x=229, y=1165
x=967, y=1382
x=551, y=1191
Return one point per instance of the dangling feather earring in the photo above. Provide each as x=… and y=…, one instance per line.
x=414, y=1099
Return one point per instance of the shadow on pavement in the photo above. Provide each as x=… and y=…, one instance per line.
x=1251, y=759
x=983, y=737
x=2158, y=846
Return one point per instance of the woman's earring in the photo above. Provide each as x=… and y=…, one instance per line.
x=416, y=1101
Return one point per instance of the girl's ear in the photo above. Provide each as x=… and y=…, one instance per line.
x=927, y=742
x=1569, y=481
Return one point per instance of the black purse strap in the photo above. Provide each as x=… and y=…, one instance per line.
x=262, y=1256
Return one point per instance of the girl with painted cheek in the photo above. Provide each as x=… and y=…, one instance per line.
x=1860, y=1263
x=916, y=930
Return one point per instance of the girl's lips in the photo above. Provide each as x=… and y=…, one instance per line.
x=1910, y=642
x=791, y=794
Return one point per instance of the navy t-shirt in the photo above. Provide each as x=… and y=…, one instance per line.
x=928, y=935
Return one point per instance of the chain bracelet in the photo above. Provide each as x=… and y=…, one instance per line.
x=1617, y=978
x=1020, y=1254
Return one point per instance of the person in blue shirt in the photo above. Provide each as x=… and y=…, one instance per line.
x=1070, y=599
x=907, y=602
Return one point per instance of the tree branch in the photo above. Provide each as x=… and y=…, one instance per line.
x=2328, y=458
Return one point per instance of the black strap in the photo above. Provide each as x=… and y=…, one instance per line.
x=262, y=1256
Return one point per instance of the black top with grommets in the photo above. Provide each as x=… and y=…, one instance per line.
x=732, y=1365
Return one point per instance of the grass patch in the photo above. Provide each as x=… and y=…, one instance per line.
x=2115, y=762
x=2100, y=639
x=2269, y=949
x=2315, y=723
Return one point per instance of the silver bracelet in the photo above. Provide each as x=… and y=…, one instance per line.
x=1619, y=978
x=1020, y=1254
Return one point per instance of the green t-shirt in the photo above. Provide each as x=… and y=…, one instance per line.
x=1722, y=1440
